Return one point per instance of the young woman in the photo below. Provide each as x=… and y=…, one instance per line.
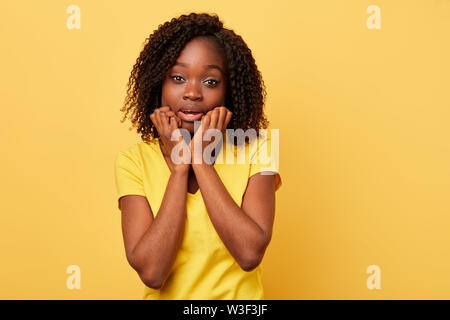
x=196, y=230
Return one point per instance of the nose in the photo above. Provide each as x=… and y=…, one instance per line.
x=192, y=91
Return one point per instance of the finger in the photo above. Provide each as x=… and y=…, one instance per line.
x=177, y=119
x=222, y=118
x=164, y=121
x=205, y=122
x=207, y=117
x=164, y=109
x=173, y=125
x=170, y=113
x=153, y=118
x=158, y=118
x=228, y=118
x=214, y=118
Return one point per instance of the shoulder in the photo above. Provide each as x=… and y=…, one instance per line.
x=262, y=143
x=137, y=151
x=264, y=159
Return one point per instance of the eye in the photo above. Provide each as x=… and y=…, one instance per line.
x=177, y=78
x=212, y=82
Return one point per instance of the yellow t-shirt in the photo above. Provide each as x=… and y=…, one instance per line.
x=203, y=267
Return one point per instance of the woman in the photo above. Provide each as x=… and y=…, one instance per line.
x=195, y=230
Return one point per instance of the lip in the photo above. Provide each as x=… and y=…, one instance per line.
x=190, y=118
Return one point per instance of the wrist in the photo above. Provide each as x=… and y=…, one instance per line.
x=202, y=165
x=182, y=169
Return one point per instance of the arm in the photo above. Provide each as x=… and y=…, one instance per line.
x=151, y=243
x=245, y=231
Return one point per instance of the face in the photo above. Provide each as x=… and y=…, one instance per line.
x=196, y=82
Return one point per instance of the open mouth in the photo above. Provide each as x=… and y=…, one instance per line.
x=190, y=116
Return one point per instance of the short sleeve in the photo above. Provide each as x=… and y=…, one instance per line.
x=128, y=176
x=264, y=158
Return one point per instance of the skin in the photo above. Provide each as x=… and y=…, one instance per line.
x=151, y=244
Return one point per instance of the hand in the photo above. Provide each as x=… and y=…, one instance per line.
x=217, y=118
x=167, y=122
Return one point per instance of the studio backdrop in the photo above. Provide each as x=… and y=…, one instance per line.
x=359, y=91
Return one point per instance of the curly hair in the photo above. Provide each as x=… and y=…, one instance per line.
x=245, y=93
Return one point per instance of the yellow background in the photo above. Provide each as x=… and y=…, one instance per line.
x=364, y=144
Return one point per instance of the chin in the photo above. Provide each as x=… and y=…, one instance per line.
x=189, y=126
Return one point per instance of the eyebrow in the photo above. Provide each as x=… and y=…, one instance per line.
x=207, y=66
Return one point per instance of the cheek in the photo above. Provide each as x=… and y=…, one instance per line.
x=217, y=97
x=223, y=95
x=168, y=95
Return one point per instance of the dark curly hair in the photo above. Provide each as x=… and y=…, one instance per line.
x=245, y=93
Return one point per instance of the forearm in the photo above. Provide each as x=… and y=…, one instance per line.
x=157, y=249
x=243, y=237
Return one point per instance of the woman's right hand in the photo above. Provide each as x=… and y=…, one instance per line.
x=166, y=122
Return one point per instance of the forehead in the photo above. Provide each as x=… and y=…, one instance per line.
x=201, y=52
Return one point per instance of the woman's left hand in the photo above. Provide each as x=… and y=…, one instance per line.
x=217, y=118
